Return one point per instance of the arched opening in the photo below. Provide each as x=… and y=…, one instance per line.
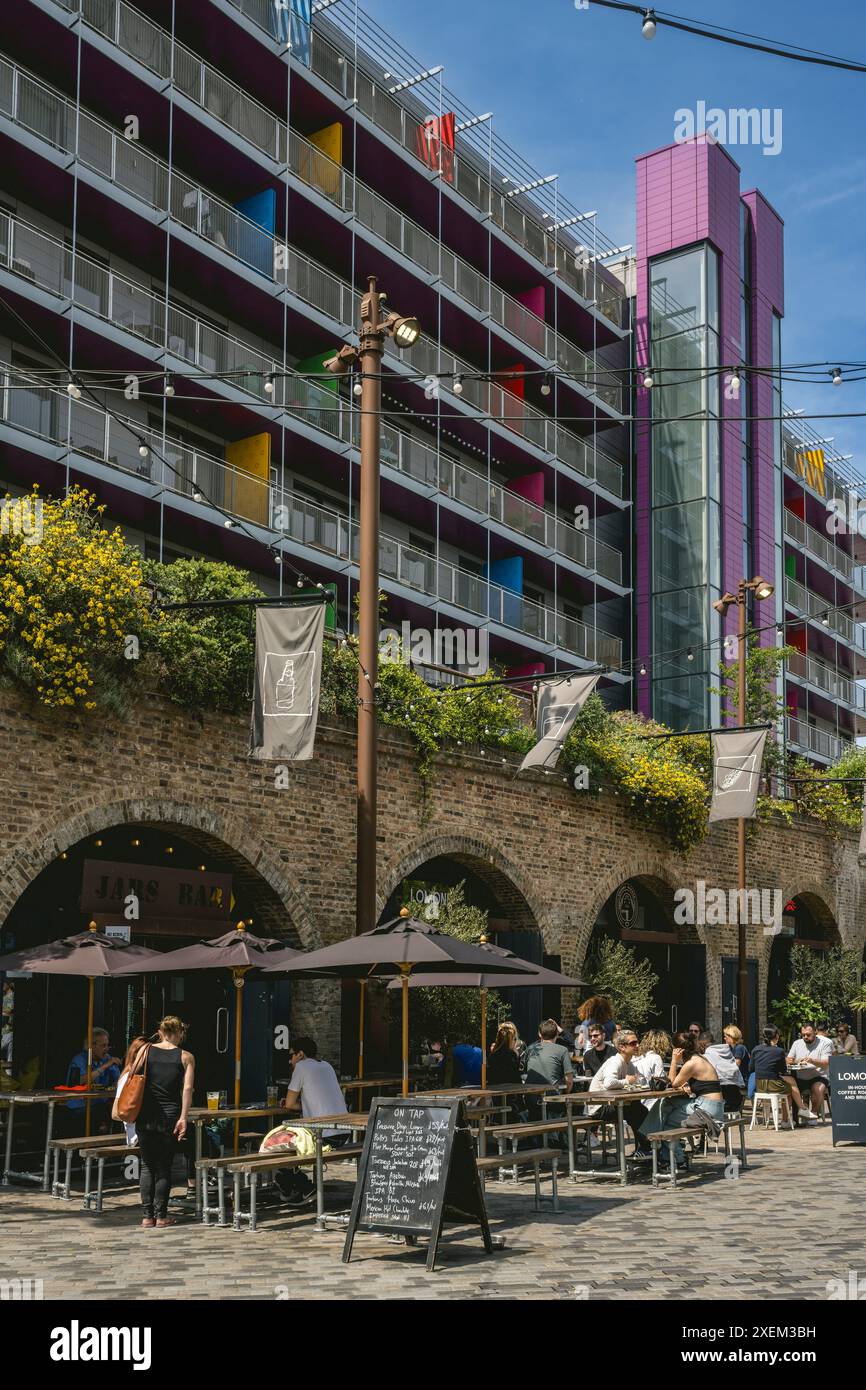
x=639, y=915
x=806, y=921
x=423, y=879
x=161, y=885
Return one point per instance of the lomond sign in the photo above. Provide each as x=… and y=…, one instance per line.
x=848, y=1090
x=161, y=892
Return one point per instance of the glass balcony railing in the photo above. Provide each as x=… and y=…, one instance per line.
x=86, y=429
x=47, y=113
x=814, y=606
x=836, y=685
x=818, y=741
x=822, y=547
x=48, y=263
x=141, y=39
x=337, y=68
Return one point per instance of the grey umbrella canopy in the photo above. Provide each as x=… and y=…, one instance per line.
x=89, y=954
x=237, y=951
x=494, y=978
x=400, y=944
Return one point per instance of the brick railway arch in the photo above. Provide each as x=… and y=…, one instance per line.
x=821, y=930
x=650, y=872
x=281, y=906
x=507, y=882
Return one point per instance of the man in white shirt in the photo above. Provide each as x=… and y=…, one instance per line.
x=615, y=1074
x=315, y=1091
x=810, y=1058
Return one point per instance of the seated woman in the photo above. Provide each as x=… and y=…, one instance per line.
x=772, y=1076
x=698, y=1083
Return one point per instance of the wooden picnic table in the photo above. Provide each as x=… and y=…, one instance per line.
x=618, y=1098
x=52, y=1099
x=347, y=1120
x=200, y=1115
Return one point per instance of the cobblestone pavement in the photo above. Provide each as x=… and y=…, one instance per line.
x=794, y=1220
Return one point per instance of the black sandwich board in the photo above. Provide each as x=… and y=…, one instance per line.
x=848, y=1098
x=417, y=1171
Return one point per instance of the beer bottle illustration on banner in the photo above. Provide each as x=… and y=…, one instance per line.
x=284, y=693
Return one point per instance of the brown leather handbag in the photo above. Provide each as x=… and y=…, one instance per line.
x=129, y=1102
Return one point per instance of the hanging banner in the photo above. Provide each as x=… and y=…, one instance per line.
x=559, y=703
x=737, y=760
x=287, y=683
x=292, y=24
x=436, y=144
x=862, y=852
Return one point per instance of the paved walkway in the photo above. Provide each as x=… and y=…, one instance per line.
x=793, y=1221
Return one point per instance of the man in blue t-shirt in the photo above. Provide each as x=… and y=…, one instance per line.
x=467, y=1064
x=105, y=1071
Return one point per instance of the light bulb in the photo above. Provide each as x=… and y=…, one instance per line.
x=269, y=385
x=197, y=496
x=168, y=388
x=143, y=450
x=836, y=376
x=642, y=669
x=358, y=389
x=648, y=28
x=545, y=385
x=735, y=383
x=73, y=389
x=458, y=385
x=228, y=523
x=647, y=379
x=690, y=656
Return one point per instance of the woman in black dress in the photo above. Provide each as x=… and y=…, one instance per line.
x=162, y=1120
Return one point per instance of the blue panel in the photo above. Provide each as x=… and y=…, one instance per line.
x=254, y=246
x=508, y=574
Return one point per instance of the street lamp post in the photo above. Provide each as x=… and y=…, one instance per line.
x=762, y=589
x=367, y=359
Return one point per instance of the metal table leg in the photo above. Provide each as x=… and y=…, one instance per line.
x=320, y=1182
x=67, y=1186
x=88, y=1177
x=201, y=1202
x=55, y=1186
x=46, y=1163
x=100, y=1181
x=221, y=1196
x=254, y=1183
x=10, y=1122
x=236, y=1215
x=620, y=1143
x=572, y=1165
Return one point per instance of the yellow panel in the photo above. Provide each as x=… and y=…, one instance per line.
x=246, y=489
x=325, y=174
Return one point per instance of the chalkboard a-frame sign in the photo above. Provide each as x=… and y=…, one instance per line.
x=417, y=1171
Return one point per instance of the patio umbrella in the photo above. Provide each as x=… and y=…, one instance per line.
x=238, y=951
x=89, y=953
x=495, y=978
x=401, y=944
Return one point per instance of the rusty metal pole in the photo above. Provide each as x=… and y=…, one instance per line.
x=742, y=960
x=370, y=352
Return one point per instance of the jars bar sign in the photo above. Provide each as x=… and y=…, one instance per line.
x=160, y=892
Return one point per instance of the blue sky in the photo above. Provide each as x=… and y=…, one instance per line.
x=580, y=93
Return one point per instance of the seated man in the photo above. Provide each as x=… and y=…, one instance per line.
x=599, y=1050
x=548, y=1063
x=315, y=1091
x=104, y=1071
x=613, y=1074
x=466, y=1064
x=809, y=1060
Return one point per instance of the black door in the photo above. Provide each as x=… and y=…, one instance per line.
x=730, y=1002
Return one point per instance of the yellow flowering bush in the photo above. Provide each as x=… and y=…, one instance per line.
x=71, y=594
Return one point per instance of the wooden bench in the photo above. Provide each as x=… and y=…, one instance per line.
x=69, y=1146
x=668, y=1136
x=527, y=1130
x=249, y=1166
x=529, y=1158
x=100, y=1154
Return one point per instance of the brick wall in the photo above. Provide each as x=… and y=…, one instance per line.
x=551, y=856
